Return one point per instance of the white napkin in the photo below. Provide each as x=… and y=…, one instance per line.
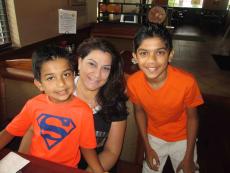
x=12, y=163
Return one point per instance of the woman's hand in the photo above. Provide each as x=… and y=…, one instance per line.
x=112, y=149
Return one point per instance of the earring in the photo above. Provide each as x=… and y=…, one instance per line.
x=134, y=61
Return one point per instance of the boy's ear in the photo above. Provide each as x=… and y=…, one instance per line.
x=38, y=85
x=171, y=55
x=134, y=59
x=79, y=63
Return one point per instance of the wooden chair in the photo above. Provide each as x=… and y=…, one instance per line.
x=16, y=87
x=129, y=67
x=19, y=70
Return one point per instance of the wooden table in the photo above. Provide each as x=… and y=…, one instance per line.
x=37, y=165
x=114, y=30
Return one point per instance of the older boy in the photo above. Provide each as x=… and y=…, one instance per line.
x=165, y=100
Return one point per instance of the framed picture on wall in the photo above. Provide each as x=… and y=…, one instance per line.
x=77, y=2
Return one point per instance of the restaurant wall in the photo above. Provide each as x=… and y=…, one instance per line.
x=34, y=21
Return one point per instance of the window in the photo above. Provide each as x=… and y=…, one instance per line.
x=5, y=40
x=185, y=3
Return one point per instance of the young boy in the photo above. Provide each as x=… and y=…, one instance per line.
x=61, y=123
x=165, y=100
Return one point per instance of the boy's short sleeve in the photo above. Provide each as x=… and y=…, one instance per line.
x=131, y=91
x=87, y=133
x=19, y=125
x=193, y=97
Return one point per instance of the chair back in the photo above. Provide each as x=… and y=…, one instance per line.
x=13, y=73
x=129, y=67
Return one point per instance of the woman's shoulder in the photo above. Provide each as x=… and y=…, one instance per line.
x=120, y=117
x=120, y=114
x=115, y=112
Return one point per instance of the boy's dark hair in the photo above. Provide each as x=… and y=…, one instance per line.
x=151, y=30
x=48, y=53
x=111, y=95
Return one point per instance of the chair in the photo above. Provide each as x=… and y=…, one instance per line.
x=129, y=67
x=12, y=71
x=16, y=87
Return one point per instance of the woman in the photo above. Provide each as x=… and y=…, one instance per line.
x=100, y=83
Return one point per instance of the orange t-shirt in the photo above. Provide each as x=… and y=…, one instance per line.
x=59, y=129
x=166, y=107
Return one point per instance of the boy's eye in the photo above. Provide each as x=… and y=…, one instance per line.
x=143, y=53
x=49, y=78
x=67, y=74
x=161, y=52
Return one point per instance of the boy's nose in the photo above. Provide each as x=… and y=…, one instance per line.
x=152, y=57
x=61, y=82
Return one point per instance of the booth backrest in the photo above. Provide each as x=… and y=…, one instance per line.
x=16, y=86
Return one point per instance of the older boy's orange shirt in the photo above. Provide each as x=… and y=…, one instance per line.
x=166, y=107
x=59, y=129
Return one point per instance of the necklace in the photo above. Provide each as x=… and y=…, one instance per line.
x=90, y=101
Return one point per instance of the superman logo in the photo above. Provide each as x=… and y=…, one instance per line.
x=54, y=129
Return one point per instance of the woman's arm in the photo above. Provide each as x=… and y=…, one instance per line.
x=141, y=121
x=112, y=149
x=5, y=138
x=26, y=141
x=91, y=158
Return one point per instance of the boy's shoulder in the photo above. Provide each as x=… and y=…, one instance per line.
x=77, y=101
x=136, y=76
x=37, y=98
x=180, y=74
x=43, y=99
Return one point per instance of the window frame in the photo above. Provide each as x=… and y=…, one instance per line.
x=185, y=3
x=4, y=23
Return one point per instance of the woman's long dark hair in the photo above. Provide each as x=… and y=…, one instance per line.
x=111, y=95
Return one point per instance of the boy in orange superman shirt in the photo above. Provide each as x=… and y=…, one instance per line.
x=165, y=100
x=62, y=124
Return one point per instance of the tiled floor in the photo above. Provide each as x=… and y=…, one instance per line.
x=196, y=57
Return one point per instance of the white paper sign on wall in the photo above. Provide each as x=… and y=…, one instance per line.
x=67, y=20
